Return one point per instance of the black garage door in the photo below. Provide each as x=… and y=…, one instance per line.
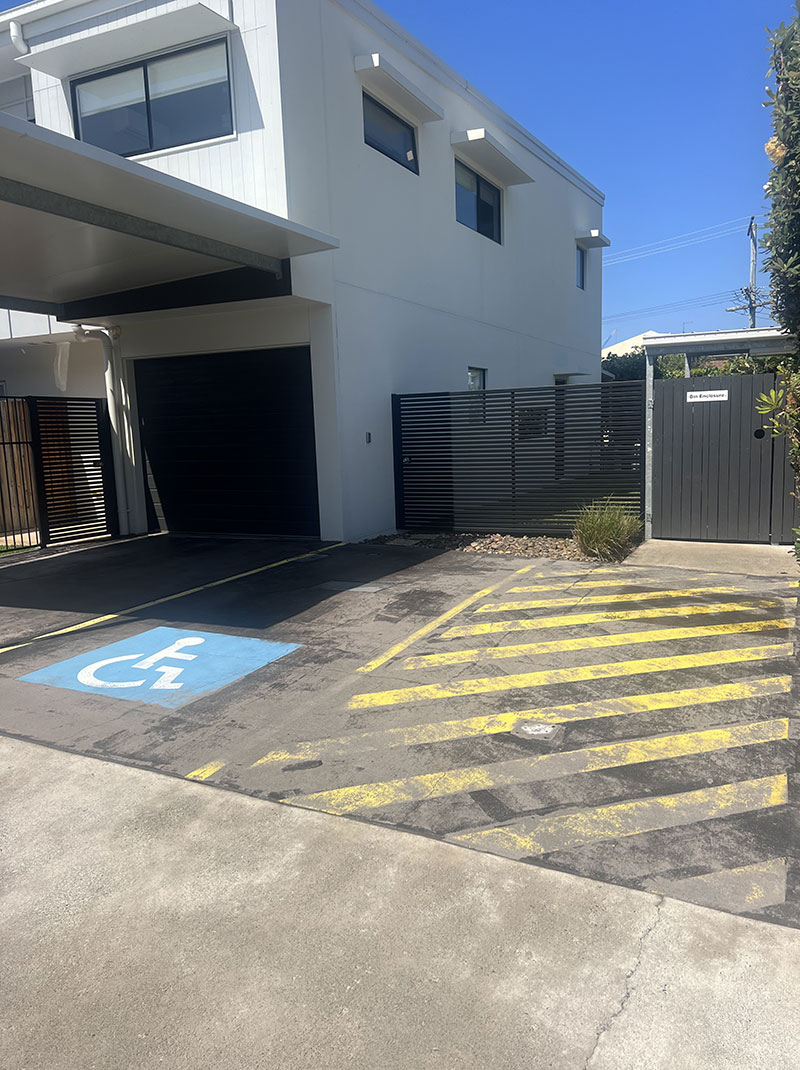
x=229, y=442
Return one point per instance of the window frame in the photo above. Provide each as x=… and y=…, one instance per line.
x=481, y=181
x=406, y=164
x=580, y=267
x=142, y=63
x=482, y=374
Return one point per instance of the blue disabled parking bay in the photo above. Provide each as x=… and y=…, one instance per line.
x=163, y=667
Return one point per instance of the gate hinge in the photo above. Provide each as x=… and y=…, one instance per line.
x=651, y=403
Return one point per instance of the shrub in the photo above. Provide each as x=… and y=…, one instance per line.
x=607, y=530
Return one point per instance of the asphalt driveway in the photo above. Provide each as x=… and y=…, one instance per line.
x=635, y=725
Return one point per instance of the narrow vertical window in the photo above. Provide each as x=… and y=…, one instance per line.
x=477, y=203
x=476, y=378
x=581, y=269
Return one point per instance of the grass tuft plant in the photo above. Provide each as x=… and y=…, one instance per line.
x=607, y=530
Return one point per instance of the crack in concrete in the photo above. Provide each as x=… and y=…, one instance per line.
x=629, y=989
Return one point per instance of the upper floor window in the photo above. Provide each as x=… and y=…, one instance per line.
x=159, y=103
x=477, y=202
x=580, y=277
x=16, y=97
x=386, y=132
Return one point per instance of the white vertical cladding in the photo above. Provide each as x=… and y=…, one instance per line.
x=417, y=296
x=249, y=166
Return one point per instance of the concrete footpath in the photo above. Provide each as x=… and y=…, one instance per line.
x=152, y=922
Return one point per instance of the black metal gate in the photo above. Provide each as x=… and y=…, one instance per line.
x=56, y=471
x=717, y=474
x=517, y=461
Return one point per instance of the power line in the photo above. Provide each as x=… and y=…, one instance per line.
x=673, y=306
x=679, y=241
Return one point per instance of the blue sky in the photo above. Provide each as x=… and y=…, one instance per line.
x=657, y=104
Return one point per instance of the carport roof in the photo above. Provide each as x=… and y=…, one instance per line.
x=758, y=341
x=79, y=222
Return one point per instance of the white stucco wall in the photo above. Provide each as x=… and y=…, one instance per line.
x=41, y=370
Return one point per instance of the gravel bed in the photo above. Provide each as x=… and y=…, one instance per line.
x=509, y=545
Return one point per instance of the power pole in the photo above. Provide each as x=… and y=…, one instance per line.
x=752, y=233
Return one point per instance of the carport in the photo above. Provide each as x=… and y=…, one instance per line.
x=92, y=238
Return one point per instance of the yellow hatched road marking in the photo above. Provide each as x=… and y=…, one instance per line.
x=496, y=627
x=752, y=887
x=170, y=598
x=540, y=767
x=493, y=724
x=594, y=642
x=628, y=582
x=398, y=648
x=573, y=674
x=603, y=599
x=567, y=575
x=205, y=771
x=563, y=831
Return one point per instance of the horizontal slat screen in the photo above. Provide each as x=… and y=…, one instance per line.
x=519, y=461
x=74, y=468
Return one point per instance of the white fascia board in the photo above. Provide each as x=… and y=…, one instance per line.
x=485, y=153
x=121, y=44
x=595, y=239
x=64, y=166
x=379, y=76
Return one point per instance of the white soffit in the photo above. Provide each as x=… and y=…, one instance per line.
x=484, y=152
x=595, y=239
x=105, y=48
x=392, y=86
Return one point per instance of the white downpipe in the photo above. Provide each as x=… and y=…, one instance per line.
x=109, y=339
x=18, y=38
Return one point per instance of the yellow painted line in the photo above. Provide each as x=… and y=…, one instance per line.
x=398, y=648
x=573, y=674
x=205, y=771
x=494, y=724
x=171, y=597
x=602, y=599
x=744, y=888
x=629, y=582
x=540, y=767
x=526, y=624
x=566, y=575
x=594, y=642
x=563, y=831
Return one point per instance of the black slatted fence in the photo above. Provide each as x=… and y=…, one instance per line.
x=56, y=471
x=519, y=461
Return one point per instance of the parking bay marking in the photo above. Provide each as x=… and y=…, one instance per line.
x=366, y=797
x=169, y=598
x=498, y=723
x=630, y=582
x=573, y=674
x=603, y=599
x=594, y=642
x=205, y=771
x=530, y=837
x=528, y=624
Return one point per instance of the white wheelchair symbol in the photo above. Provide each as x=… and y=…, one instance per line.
x=169, y=674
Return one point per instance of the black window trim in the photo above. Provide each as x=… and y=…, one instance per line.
x=414, y=169
x=580, y=267
x=482, y=180
x=103, y=72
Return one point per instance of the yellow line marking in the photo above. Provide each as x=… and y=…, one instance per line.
x=494, y=724
x=398, y=648
x=536, y=623
x=573, y=674
x=752, y=887
x=629, y=582
x=540, y=767
x=562, y=831
x=205, y=771
x=640, y=596
x=171, y=597
x=567, y=575
x=594, y=642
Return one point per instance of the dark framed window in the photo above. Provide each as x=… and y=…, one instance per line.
x=580, y=276
x=476, y=378
x=477, y=202
x=159, y=103
x=386, y=132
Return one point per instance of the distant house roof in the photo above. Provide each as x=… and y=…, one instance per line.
x=625, y=345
